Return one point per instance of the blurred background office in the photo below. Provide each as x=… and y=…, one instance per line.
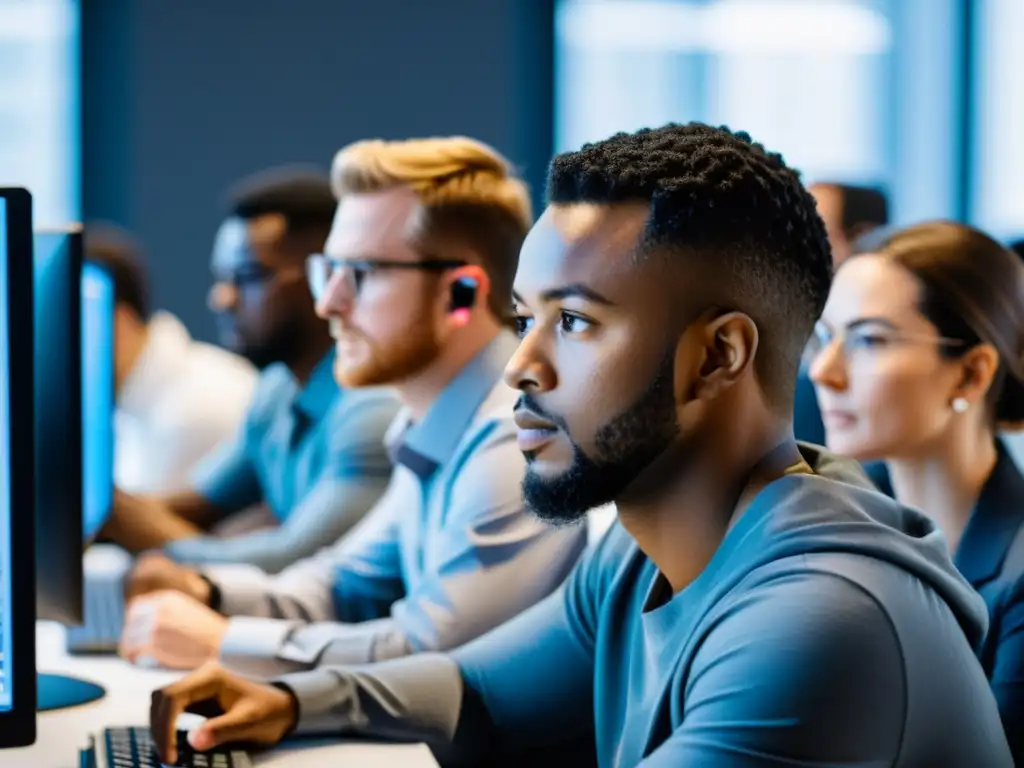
x=143, y=112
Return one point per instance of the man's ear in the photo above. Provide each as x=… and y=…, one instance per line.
x=729, y=343
x=466, y=291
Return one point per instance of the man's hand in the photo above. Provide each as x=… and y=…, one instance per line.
x=240, y=710
x=155, y=572
x=173, y=629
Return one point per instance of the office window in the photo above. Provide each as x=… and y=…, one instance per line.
x=997, y=203
x=39, y=114
x=837, y=86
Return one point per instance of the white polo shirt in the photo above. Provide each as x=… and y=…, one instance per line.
x=181, y=400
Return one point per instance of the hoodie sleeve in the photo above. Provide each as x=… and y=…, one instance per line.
x=527, y=685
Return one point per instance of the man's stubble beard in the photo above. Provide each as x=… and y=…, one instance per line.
x=625, y=446
x=416, y=350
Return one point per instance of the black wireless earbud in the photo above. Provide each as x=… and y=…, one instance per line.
x=463, y=294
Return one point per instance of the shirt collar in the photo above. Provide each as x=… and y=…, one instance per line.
x=426, y=445
x=157, y=366
x=994, y=523
x=316, y=398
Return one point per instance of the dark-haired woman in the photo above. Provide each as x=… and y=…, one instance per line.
x=919, y=362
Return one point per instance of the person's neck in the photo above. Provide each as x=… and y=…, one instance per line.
x=135, y=338
x=946, y=480
x=319, y=343
x=681, y=518
x=418, y=393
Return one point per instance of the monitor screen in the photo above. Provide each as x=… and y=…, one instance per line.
x=97, y=397
x=6, y=622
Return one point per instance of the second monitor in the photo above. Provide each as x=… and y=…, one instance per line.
x=58, y=409
x=74, y=427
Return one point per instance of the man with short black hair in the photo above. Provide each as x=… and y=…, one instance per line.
x=311, y=453
x=177, y=399
x=757, y=603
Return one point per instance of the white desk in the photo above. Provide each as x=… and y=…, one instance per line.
x=62, y=733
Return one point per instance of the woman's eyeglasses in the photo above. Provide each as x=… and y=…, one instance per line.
x=321, y=269
x=860, y=342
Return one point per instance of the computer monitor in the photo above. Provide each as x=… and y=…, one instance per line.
x=97, y=398
x=58, y=406
x=17, y=465
x=59, y=448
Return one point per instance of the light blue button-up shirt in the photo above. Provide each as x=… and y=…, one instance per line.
x=449, y=552
x=314, y=455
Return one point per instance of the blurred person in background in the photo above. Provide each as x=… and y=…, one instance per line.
x=851, y=214
x=919, y=362
x=177, y=399
x=416, y=281
x=312, y=453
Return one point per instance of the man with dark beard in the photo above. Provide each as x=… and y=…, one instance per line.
x=415, y=282
x=310, y=453
x=757, y=603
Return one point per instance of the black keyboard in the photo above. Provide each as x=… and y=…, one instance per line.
x=133, y=748
x=104, y=618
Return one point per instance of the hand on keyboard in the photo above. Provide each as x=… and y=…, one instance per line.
x=239, y=709
x=155, y=572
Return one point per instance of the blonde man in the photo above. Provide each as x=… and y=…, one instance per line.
x=416, y=285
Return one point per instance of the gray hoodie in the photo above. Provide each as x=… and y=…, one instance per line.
x=830, y=628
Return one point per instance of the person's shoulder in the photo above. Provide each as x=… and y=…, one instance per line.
x=197, y=362
x=208, y=388
x=488, y=447
x=807, y=621
x=1012, y=572
x=861, y=641
x=816, y=579
x=492, y=422
x=363, y=399
x=995, y=561
x=218, y=366
x=274, y=389
x=360, y=415
x=220, y=369
x=1008, y=584
x=831, y=594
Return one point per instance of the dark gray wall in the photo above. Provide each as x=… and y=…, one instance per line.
x=183, y=97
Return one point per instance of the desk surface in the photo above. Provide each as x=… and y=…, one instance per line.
x=62, y=733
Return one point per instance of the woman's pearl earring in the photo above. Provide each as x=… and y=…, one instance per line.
x=960, y=405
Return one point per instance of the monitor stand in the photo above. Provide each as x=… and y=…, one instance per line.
x=62, y=691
